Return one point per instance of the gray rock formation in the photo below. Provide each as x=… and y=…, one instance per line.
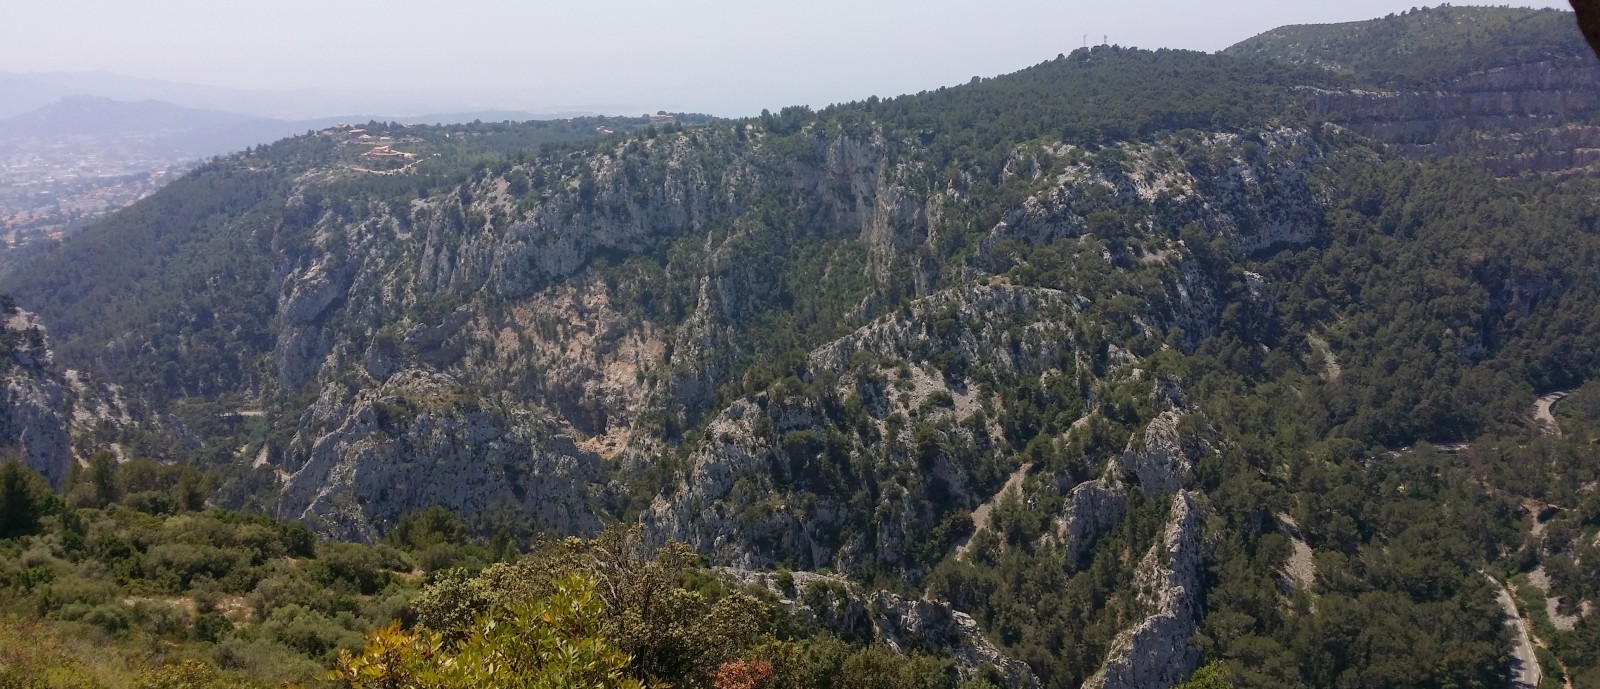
x=1157, y=461
x=1513, y=119
x=1093, y=508
x=1155, y=653
x=421, y=440
x=1255, y=189
x=496, y=283
x=35, y=401
x=482, y=285
x=33, y=411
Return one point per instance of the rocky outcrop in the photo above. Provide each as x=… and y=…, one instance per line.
x=1093, y=508
x=36, y=404
x=1400, y=115
x=905, y=625
x=404, y=288
x=508, y=282
x=1156, y=653
x=1160, y=458
x=33, y=414
x=494, y=282
x=308, y=297
x=1252, y=188
x=1571, y=147
x=51, y=418
x=767, y=484
x=1157, y=462
x=1513, y=119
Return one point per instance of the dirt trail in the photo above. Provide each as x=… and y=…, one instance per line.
x=980, y=516
x=1302, y=564
x=1525, y=671
x=1331, y=370
x=1542, y=414
x=1540, y=579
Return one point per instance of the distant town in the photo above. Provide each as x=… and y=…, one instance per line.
x=48, y=188
x=51, y=186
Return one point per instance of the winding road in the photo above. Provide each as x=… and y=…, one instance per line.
x=1525, y=671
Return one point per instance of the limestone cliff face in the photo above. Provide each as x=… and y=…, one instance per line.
x=1157, y=462
x=1253, y=189
x=1519, y=118
x=1548, y=91
x=493, y=283
x=1092, y=509
x=421, y=440
x=1257, y=191
x=35, y=408
x=1560, y=149
x=1159, y=459
x=1153, y=653
x=508, y=284
x=1156, y=653
x=47, y=413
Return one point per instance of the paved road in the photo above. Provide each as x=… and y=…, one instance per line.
x=1525, y=672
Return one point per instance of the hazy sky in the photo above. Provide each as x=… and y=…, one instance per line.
x=722, y=56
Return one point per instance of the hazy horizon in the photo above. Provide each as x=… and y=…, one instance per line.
x=712, y=56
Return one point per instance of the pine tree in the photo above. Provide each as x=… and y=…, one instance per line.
x=22, y=500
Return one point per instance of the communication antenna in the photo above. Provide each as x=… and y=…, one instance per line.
x=1105, y=40
x=1086, y=40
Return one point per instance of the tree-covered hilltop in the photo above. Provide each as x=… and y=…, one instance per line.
x=1423, y=48
x=1144, y=360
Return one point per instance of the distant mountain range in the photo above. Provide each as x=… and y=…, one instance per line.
x=94, y=115
x=160, y=130
x=21, y=93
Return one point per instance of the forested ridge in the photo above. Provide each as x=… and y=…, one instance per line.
x=1422, y=48
x=1236, y=388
